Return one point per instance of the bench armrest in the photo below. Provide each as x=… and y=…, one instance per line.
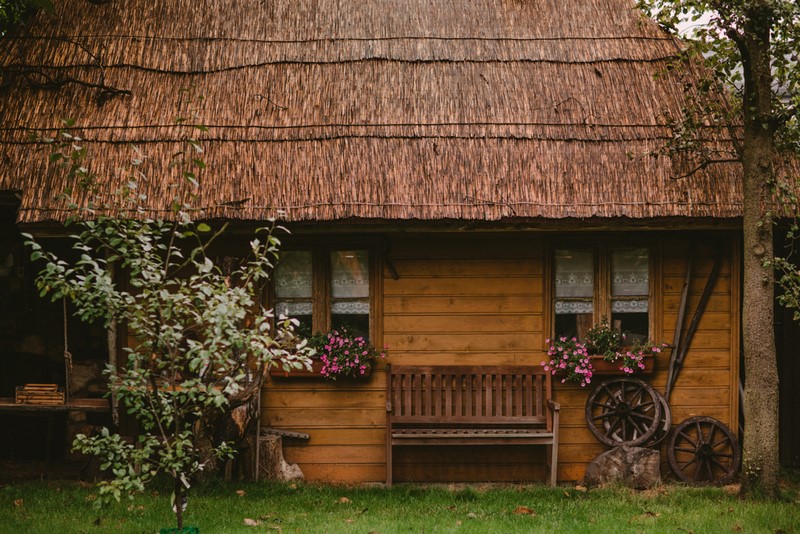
x=552, y=420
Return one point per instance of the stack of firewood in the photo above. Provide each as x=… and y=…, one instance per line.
x=43, y=394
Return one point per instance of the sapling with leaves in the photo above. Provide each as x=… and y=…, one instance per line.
x=203, y=338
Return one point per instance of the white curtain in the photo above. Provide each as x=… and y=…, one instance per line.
x=574, y=279
x=350, y=282
x=293, y=275
x=630, y=277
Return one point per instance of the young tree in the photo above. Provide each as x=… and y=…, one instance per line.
x=203, y=339
x=751, y=48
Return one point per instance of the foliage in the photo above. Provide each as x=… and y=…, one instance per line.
x=603, y=340
x=203, y=338
x=570, y=358
x=631, y=359
x=751, y=49
x=58, y=506
x=343, y=354
x=12, y=12
x=720, y=32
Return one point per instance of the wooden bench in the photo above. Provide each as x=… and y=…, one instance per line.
x=470, y=405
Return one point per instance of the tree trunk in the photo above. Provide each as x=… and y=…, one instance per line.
x=760, y=459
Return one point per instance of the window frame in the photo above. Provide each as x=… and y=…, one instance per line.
x=602, y=291
x=321, y=297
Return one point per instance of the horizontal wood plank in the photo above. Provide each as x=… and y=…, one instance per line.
x=448, y=304
x=464, y=286
x=461, y=323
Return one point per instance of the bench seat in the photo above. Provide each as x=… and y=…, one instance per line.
x=470, y=405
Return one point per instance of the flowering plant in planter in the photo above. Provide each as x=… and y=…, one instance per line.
x=631, y=359
x=603, y=340
x=343, y=354
x=569, y=357
x=611, y=344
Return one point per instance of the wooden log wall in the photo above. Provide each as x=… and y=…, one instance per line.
x=483, y=299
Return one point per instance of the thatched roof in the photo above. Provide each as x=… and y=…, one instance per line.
x=368, y=109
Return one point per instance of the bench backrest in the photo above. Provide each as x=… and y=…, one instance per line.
x=467, y=395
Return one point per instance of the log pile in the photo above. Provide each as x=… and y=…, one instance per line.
x=41, y=394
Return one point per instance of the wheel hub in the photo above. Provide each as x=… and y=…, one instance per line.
x=622, y=409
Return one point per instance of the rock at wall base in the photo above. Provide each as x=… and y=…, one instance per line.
x=635, y=467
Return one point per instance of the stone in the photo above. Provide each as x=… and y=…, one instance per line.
x=635, y=467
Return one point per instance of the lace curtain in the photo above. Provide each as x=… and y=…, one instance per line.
x=350, y=282
x=630, y=277
x=574, y=280
x=293, y=275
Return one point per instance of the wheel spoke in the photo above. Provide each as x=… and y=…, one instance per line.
x=698, y=471
x=709, y=469
x=724, y=441
x=604, y=416
x=681, y=449
x=614, y=426
x=689, y=439
x=604, y=405
x=687, y=464
x=700, y=438
x=721, y=466
x=642, y=416
x=636, y=426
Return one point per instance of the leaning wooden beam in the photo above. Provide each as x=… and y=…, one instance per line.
x=676, y=340
x=698, y=314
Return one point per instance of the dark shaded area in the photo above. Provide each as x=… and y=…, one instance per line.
x=32, y=351
x=787, y=344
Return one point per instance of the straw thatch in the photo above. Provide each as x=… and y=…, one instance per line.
x=372, y=109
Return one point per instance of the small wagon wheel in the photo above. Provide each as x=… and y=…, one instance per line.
x=703, y=450
x=623, y=411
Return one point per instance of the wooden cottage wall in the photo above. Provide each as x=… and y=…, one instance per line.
x=483, y=299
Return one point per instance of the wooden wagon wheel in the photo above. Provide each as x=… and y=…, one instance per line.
x=623, y=411
x=662, y=429
x=703, y=450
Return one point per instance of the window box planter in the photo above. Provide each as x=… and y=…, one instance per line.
x=314, y=374
x=603, y=367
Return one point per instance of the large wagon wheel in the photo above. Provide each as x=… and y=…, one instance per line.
x=623, y=411
x=703, y=450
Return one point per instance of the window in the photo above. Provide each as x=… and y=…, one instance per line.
x=324, y=289
x=602, y=281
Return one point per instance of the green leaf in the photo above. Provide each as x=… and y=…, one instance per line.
x=203, y=227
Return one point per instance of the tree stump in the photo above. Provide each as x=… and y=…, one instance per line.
x=636, y=467
x=272, y=465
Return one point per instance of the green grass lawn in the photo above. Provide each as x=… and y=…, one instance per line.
x=63, y=507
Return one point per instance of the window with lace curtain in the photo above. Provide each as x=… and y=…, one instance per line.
x=324, y=289
x=601, y=281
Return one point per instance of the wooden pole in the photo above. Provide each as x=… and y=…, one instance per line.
x=676, y=340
